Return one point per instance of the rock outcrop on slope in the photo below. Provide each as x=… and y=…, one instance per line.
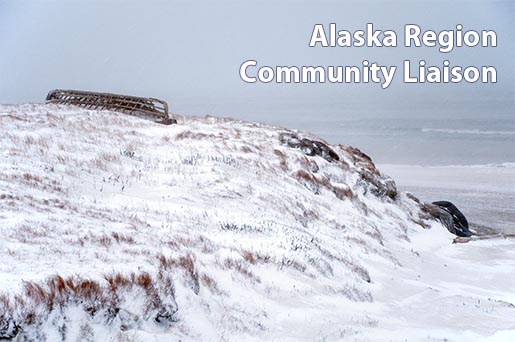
x=210, y=229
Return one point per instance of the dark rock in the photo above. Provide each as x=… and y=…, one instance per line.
x=310, y=147
x=450, y=216
x=360, y=159
x=167, y=314
x=314, y=167
x=9, y=329
x=379, y=185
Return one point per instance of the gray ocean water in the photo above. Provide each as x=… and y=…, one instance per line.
x=486, y=211
x=422, y=141
x=468, y=161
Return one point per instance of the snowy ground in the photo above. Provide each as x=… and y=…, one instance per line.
x=245, y=237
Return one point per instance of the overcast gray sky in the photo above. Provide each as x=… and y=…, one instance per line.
x=189, y=54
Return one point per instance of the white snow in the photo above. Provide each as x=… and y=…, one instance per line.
x=278, y=256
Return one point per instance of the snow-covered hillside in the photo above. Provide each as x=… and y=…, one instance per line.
x=114, y=227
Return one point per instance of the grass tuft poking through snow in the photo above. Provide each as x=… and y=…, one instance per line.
x=110, y=301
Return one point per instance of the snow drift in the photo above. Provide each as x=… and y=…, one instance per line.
x=112, y=226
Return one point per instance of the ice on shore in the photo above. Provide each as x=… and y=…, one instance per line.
x=484, y=193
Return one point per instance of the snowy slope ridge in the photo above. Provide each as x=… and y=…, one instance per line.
x=112, y=226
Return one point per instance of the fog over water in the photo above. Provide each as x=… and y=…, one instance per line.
x=190, y=54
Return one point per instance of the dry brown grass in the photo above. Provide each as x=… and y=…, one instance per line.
x=246, y=149
x=253, y=257
x=342, y=193
x=63, y=159
x=187, y=264
x=37, y=300
x=317, y=183
x=29, y=232
x=10, y=197
x=294, y=264
x=103, y=159
x=104, y=241
x=119, y=238
x=102, y=215
x=282, y=160
x=191, y=242
x=29, y=140
x=34, y=181
x=211, y=284
x=28, y=177
x=304, y=163
x=241, y=268
x=41, y=143
x=361, y=159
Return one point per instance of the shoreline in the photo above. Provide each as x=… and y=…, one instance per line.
x=484, y=193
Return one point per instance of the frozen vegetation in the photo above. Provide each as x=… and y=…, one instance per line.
x=116, y=228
